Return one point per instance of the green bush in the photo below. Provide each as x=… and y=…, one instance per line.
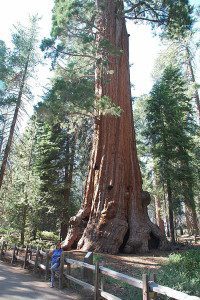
x=9, y=235
x=182, y=272
x=44, y=245
x=4, y=230
x=48, y=235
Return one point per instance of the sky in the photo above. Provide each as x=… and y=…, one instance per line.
x=18, y=11
x=13, y=11
x=144, y=47
x=142, y=54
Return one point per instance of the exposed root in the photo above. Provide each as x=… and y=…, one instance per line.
x=90, y=234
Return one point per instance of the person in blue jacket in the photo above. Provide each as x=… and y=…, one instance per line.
x=55, y=262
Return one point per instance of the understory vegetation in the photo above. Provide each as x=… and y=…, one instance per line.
x=182, y=271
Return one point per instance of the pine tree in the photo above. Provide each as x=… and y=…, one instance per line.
x=23, y=60
x=5, y=101
x=20, y=194
x=170, y=128
x=62, y=160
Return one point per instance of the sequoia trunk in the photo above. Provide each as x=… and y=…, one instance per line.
x=113, y=216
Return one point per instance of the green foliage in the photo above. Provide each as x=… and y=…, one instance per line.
x=68, y=97
x=64, y=132
x=53, y=159
x=20, y=65
x=66, y=13
x=182, y=272
x=170, y=124
x=124, y=290
x=19, y=196
x=3, y=60
x=97, y=258
x=106, y=106
x=165, y=14
x=169, y=142
x=48, y=235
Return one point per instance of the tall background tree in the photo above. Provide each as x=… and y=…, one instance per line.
x=23, y=61
x=170, y=128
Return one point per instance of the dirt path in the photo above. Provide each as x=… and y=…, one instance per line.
x=19, y=284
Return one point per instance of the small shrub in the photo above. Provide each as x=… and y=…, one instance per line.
x=48, y=235
x=182, y=272
x=97, y=258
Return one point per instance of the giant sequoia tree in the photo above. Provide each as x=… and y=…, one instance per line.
x=114, y=215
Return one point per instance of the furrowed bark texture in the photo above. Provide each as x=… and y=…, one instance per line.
x=113, y=216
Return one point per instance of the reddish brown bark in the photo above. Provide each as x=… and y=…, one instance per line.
x=159, y=220
x=112, y=215
x=191, y=217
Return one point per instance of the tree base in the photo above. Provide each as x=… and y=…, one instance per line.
x=115, y=235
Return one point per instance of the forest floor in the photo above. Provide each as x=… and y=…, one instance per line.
x=134, y=265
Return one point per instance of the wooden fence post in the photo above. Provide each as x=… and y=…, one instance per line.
x=36, y=260
x=68, y=273
x=145, y=290
x=25, y=258
x=195, y=238
x=88, y=274
x=102, y=278
x=96, y=283
x=47, y=266
x=153, y=295
x=30, y=253
x=13, y=255
x=61, y=270
x=2, y=250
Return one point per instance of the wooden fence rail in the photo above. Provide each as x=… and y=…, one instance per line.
x=94, y=273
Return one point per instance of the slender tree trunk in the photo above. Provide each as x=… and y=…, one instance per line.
x=113, y=215
x=171, y=215
x=159, y=219
x=191, y=216
x=34, y=233
x=190, y=207
x=12, y=128
x=24, y=216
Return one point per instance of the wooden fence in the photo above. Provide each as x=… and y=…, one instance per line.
x=93, y=274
